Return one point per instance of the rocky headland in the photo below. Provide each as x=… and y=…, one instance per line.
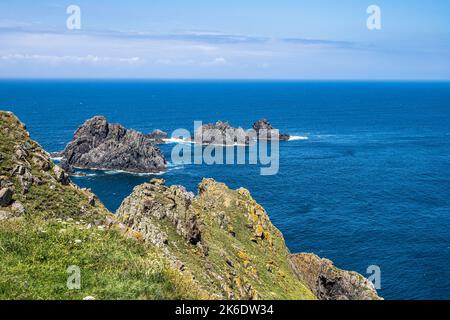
x=163, y=243
x=98, y=144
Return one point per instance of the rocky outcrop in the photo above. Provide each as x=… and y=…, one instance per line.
x=223, y=133
x=264, y=130
x=330, y=283
x=220, y=237
x=30, y=182
x=225, y=239
x=220, y=133
x=98, y=144
x=162, y=204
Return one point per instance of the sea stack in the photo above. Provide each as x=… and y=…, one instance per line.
x=221, y=133
x=262, y=126
x=98, y=144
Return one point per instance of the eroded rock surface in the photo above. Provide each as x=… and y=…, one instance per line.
x=330, y=283
x=221, y=133
x=98, y=144
x=30, y=182
x=264, y=130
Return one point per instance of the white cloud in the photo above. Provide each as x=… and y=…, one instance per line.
x=68, y=59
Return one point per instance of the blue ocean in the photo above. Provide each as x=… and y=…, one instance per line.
x=370, y=185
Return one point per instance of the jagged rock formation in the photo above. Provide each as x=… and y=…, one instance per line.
x=222, y=237
x=264, y=130
x=98, y=144
x=330, y=283
x=223, y=133
x=220, y=133
x=30, y=182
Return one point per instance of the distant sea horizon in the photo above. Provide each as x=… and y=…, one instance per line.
x=370, y=185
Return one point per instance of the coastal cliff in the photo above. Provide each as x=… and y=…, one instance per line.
x=163, y=243
x=98, y=144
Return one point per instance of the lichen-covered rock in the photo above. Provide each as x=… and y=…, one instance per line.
x=98, y=144
x=39, y=187
x=330, y=283
x=153, y=202
x=221, y=237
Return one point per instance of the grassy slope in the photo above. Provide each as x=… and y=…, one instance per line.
x=37, y=248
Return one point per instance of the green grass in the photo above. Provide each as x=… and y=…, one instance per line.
x=35, y=256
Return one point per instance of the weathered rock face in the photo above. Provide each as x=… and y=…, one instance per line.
x=161, y=204
x=224, y=134
x=225, y=240
x=265, y=130
x=98, y=144
x=221, y=237
x=221, y=133
x=330, y=283
x=30, y=182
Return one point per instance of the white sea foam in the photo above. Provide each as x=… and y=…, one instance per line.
x=294, y=138
x=177, y=140
x=56, y=158
x=140, y=174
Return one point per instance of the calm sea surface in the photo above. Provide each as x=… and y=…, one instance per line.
x=370, y=186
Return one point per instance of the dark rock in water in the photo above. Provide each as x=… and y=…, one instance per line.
x=98, y=144
x=158, y=136
x=264, y=130
x=224, y=134
x=221, y=133
x=5, y=197
x=330, y=283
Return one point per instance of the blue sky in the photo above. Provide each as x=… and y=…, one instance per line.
x=264, y=39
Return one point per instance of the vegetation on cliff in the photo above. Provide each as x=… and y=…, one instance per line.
x=163, y=243
x=50, y=224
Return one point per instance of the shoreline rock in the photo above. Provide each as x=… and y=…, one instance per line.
x=330, y=283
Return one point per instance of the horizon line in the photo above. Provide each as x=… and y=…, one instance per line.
x=223, y=79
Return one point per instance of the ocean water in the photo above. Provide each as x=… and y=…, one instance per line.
x=370, y=186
